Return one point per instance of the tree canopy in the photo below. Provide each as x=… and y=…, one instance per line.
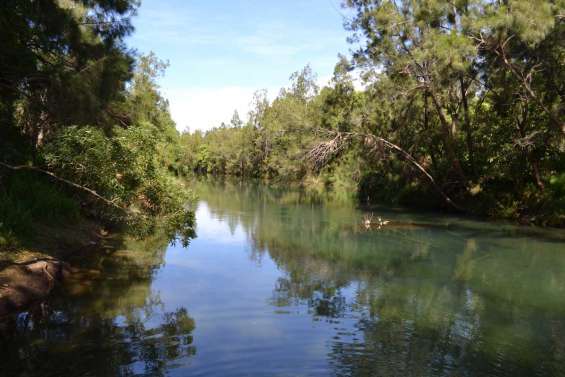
x=80, y=110
x=462, y=100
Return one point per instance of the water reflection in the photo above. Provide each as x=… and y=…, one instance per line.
x=277, y=284
x=107, y=322
x=461, y=298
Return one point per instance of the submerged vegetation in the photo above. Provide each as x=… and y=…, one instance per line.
x=83, y=127
x=461, y=108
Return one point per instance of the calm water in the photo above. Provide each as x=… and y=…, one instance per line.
x=276, y=285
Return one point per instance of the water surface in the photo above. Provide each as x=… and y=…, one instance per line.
x=277, y=284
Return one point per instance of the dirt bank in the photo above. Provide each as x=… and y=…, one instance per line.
x=29, y=273
x=24, y=284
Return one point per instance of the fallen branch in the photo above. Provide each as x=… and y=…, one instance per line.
x=324, y=152
x=66, y=181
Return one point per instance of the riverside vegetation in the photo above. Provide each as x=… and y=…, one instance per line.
x=461, y=108
x=84, y=133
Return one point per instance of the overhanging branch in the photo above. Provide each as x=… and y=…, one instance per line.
x=326, y=151
x=66, y=181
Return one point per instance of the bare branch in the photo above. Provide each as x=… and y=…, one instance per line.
x=323, y=153
x=326, y=151
x=66, y=181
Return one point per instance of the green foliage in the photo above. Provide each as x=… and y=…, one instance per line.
x=63, y=62
x=473, y=90
x=76, y=102
x=129, y=166
x=269, y=144
x=557, y=183
x=117, y=167
x=26, y=199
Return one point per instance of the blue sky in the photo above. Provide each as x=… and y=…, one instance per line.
x=221, y=51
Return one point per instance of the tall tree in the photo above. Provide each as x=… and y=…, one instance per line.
x=482, y=78
x=62, y=62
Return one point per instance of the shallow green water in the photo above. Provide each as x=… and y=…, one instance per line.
x=277, y=285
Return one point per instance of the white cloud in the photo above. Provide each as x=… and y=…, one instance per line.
x=324, y=81
x=204, y=108
x=267, y=46
x=270, y=39
x=207, y=107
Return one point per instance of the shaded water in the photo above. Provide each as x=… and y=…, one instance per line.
x=275, y=285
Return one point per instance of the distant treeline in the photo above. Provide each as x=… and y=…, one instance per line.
x=462, y=108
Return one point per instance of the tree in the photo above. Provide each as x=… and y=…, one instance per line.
x=474, y=86
x=63, y=62
x=235, y=121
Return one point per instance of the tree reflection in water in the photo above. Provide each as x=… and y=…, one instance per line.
x=454, y=297
x=112, y=326
x=440, y=297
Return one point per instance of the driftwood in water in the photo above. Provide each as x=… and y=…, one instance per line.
x=23, y=284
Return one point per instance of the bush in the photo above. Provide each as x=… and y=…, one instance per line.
x=128, y=167
x=26, y=198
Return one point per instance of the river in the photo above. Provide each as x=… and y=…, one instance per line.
x=278, y=284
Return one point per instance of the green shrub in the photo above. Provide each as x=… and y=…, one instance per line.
x=129, y=167
x=26, y=198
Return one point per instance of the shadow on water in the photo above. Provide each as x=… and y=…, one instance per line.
x=105, y=321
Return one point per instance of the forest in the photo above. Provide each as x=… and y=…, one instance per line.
x=460, y=108
x=84, y=131
x=403, y=217
x=444, y=105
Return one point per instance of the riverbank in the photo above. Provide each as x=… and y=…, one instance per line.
x=370, y=195
x=30, y=271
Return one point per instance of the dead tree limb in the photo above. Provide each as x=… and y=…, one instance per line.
x=66, y=181
x=324, y=152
